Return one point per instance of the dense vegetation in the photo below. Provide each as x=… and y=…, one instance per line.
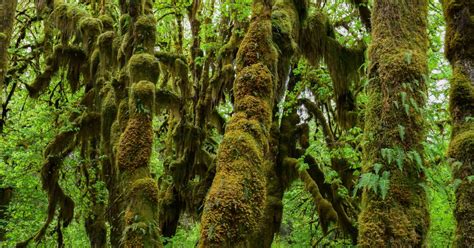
x=236, y=123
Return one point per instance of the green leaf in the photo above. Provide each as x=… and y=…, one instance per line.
x=377, y=167
x=384, y=184
x=401, y=132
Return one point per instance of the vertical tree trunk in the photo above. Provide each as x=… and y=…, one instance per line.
x=394, y=126
x=7, y=18
x=235, y=204
x=139, y=189
x=5, y=198
x=459, y=50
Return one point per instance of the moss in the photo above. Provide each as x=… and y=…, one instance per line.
x=236, y=202
x=254, y=80
x=108, y=115
x=134, y=148
x=107, y=51
x=123, y=114
x=142, y=98
x=107, y=22
x=143, y=67
x=460, y=52
x=66, y=17
x=90, y=26
x=461, y=95
x=317, y=44
x=141, y=214
x=145, y=188
x=144, y=34
x=257, y=45
x=398, y=63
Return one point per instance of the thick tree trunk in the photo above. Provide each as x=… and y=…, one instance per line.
x=7, y=18
x=394, y=126
x=236, y=202
x=460, y=53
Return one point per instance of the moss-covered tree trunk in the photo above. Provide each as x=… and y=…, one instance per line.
x=7, y=18
x=394, y=126
x=139, y=189
x=459, y=50
x=5, y=198
x=235, y=204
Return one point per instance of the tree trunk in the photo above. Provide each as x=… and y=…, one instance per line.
x=5, y=198
x=7, y=18
x=236, y=202
x=394, y=126
x=460, y=53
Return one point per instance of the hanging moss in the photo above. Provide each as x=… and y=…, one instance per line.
x=317, y=44
x=144, y=34
x=143, y=67
x=107, y=52
x=90, y=28
x=66, y=17
x=107, y=22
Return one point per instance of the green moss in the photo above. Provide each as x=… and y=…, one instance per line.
x=462, y=147
x=317, y=44
x=145, y=188
x=107, y=22
x=108, y=115
x=143, y=67
x=3, y=37
x=398, y=67
x=254, y=80
x=257, y=45
x=141, y=229
x=461, y=96
x=255, y=108
x=123, y=114
x=107, y=50
x=66, y=17
x=142, y=98
x=134, y=148
x=90, y=26
x=144, y=34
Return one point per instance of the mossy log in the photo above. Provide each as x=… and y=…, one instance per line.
x=459, y=50
x=397, y=71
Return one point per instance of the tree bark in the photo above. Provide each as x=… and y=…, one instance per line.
x=397, y=92
x=459, y=50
